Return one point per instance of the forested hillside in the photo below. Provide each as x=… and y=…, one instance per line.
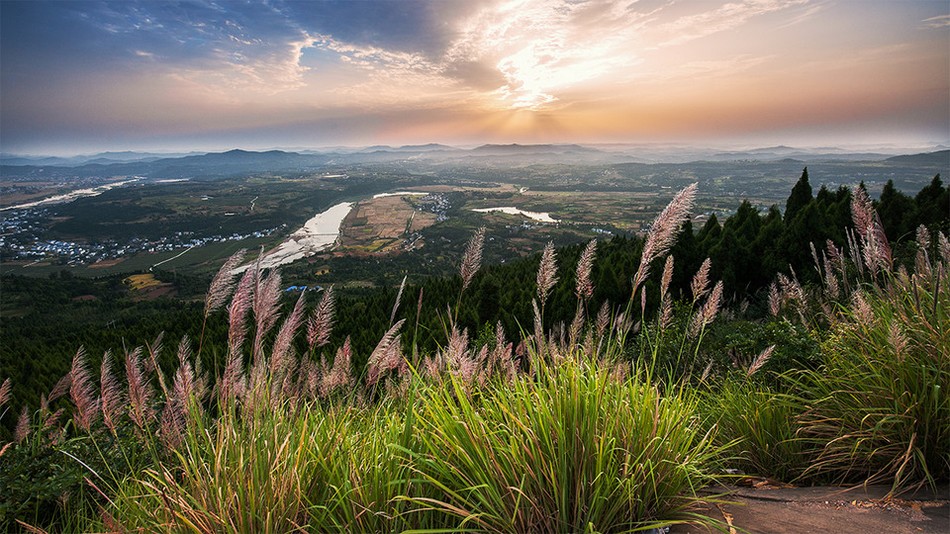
x=46, y=320
x=563, y=392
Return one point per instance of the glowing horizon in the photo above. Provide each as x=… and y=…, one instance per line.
x=83, y=77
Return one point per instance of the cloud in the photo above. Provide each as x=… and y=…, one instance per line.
x=541, y=47
x=935, y=23
x=725, y=17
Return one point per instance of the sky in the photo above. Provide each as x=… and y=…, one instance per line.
x=80, y=77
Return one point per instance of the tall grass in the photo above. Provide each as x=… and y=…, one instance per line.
x=757, y=428
x=278, y=470
x=574, y=449
x=880, y=411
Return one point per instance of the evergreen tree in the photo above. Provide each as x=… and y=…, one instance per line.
x=933, y=206
x=800, y=197
x=898, y=213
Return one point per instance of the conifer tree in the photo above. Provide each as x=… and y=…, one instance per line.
x=799, y=198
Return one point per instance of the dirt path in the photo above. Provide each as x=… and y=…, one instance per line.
x=828, y=510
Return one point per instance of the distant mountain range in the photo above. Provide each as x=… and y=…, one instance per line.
x=238, y=161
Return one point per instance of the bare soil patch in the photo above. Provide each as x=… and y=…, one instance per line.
x=775, y=510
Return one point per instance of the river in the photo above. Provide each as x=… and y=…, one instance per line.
x=72, y=195
x=510, y=210
x=317, y=234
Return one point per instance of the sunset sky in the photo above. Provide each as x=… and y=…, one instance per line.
x=79, y=77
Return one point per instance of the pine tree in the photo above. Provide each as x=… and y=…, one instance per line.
x=799, y=198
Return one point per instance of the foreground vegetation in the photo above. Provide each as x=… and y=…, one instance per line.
x=612, y=421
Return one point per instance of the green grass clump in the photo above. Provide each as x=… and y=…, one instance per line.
x=757, y=427
x=879, y=406
x=574, y=449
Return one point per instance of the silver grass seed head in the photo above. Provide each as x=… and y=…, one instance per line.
x=663, y=231
x=547, y=272
x=472, y=259
x=585, y=288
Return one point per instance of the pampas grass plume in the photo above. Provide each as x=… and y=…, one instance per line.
x=472, y=259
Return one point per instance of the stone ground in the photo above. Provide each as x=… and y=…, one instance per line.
x=786, y=510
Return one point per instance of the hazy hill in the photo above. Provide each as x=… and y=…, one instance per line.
x=941, y=157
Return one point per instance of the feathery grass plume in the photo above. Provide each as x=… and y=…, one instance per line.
x=854, y=251
x=340, y=376
x=547, y=273
x=643, y=301
x=775, y=300
x=706, y=371
x=792, y=291
x=831, y=281
x=22, y=430
x=877, y=251
x=482, y=372
x=837, y=258
x=266, y=306
x=814, y=257
x=700, y=283
x=666, y=314
x=538, y=326
x=171, y=424
x=151, y=364
x=379, y=359
x=192, y=380
x=233, y=381
x=184, y=387
x=603, y=319
x=835, y=254
x=52, y=419
x=667, y=277
x=432, y=367
x=500, y=342
x=922, y=258
x=472, y=259
x=184, y=349
x=577, y=325
x=897, y=339
x=402, y=286
x=666, y=306
x=663, y=232
x=585, y=287
x=458, y=357
x=285, y=336
x=237, y=310
x=321, y=322
x=861, y=309
x=502, y=356
x=83, y=392
x=140, y=391
x=60, y=388
x=707, y=312
x=223, y=282
x=760, y=360
x=862, y=211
